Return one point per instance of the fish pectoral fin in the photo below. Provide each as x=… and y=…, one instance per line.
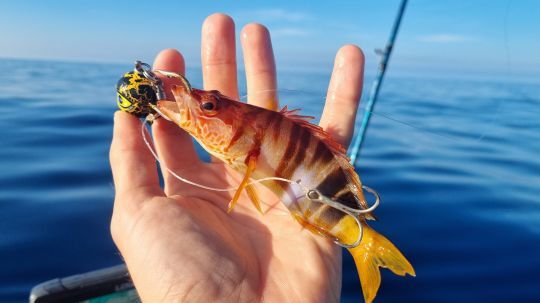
x=251, y=164
x=373, y=252
x=252, y=193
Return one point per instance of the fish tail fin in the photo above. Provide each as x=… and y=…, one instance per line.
x=373, y=252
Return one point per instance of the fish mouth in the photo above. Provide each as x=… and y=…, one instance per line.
x=172, y=110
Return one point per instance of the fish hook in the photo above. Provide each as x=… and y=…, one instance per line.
x=316, y=196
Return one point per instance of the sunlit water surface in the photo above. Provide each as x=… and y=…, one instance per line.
x=459, y=177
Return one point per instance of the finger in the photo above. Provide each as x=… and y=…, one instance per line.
x=173, y=145
x=218, y=55
x=133, y=166
x=344, y=94
x=260, y=66
x=218, y=52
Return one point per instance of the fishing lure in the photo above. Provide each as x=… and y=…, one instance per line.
x=283, y=151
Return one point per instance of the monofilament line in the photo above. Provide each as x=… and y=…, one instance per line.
x=355, y=213
x=163, y=166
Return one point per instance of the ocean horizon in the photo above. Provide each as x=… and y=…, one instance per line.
x=454, y=158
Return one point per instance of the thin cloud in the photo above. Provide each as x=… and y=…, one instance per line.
x=274, y=14
x=290, y=32
x=444, y=38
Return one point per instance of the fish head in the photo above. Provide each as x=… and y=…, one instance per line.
x=210, y=117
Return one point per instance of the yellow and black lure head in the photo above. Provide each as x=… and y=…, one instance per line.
x=135, y=94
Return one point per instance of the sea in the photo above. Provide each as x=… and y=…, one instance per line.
x=456, y=161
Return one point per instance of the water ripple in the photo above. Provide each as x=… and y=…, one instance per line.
x=458, y=175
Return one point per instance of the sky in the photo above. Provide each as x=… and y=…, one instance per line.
x=492, y=37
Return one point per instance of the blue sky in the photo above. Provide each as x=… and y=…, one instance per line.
x=462, y=36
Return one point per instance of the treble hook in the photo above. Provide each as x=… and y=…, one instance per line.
x=316, y=196
x=146, y=70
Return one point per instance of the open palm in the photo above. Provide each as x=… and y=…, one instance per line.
x=179, y=243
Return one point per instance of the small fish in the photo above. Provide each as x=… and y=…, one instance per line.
x=262, y=143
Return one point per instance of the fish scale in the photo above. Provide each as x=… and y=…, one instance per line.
x=261, y=143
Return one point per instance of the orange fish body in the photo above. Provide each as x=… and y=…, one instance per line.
x=262, y=143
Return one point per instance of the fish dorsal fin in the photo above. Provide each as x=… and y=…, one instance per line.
x=335, y=147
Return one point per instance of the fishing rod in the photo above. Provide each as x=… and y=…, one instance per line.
x=374, y=93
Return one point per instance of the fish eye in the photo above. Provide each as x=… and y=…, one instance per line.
x=208, y=105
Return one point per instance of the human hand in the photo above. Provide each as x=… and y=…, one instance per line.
x=179, y=243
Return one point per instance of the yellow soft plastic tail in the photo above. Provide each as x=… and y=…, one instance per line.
x=373, y=252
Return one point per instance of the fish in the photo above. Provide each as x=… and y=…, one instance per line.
x=261, y=143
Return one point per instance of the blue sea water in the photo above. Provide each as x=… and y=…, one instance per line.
x=456, y=163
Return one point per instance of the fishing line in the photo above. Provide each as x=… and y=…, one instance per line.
x=386, y=116
x=146, y=70
x=151, y=118
x=380, y=114
x=311, y=194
